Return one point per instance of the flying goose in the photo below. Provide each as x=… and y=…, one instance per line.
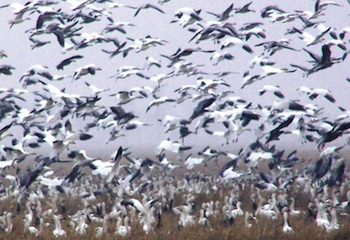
x=68, y=61
x=271, y=88
x=158, y=101
x=201, y=107
x=6, y=69
x=147, y=6
x=224, y=15
x=87, y=69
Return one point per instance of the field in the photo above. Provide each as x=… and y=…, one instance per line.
x=199, y=187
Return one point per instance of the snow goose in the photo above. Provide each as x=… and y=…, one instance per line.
x=244, y=9
x=322, y=219
x=116, y=26
x=256, y=31
x=148, y=6
x=125, y=97
x=151, y=61
x=218, y=57
x=190, y=161
x=95, y=91
x=203, y=220
x=19, y=18
x=82, y=226
x=267, y=210
x=232, y=41
x=67, y=61
x=186, y=219
x=248, y=216
x=122, y=230
x=146, y=210
x=201, y=107
x=286, y=227
x=334, y=225
x=115, y=169
x=87, y=69
x=6, y=69
x=100, y=231
x=314, y=92
x=187, y=16
x=58, y=231
x=141, y=207
x=8, y=225
x=172, y=146
x=238, y=210
x=292, y=207
x=250, y=79
x=224, y=15
x=38, y=69
x=273, y=89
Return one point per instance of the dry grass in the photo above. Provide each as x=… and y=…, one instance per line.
x=304, y=227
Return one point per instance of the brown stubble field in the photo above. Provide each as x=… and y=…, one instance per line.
x=304, y=226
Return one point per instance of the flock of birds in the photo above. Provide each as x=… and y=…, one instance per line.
x=41, y=115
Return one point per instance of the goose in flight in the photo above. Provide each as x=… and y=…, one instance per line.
x=187, y=16
x=244, y=9
x=273, y=89
x=232, y=41
x=201, y=108
x=313, y=40
x=5, y=129
x=321, y=62
x=87, y=69
x=158, y=101
x=190, y=161
x=127, y=96
x=115, y=169
x=315, y=92
x=6, y=69
x=218, y=57
x=3, y=54
x=38, y=69
x=119, y=5
x=95, y=91
x=224, y=15
x=271, y=47
x=172, y=146
x=148, y=6
x=68, y=61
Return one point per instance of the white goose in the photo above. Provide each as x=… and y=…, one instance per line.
x=186, y=219
x=248, y=216
x=82, y=226
x=28, y=218
x=286, y=227
x=322, y=216
x=9, y=224
x=122, y=230
x=238, y=211
x=203, y=220
x=100, y=231
x=58, y=232
x=334, y=225
x=33, y=230
x=291, y=207
x=147, y=220
x=268, y=209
